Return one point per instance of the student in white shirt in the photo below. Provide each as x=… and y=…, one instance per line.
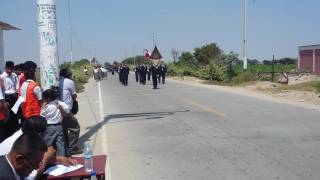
x=53, y=110
x=71, y=125
x=10, y=86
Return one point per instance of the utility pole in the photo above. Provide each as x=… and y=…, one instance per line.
x=153, y=40
x=245, y=63
x=70, y=31
x=134, y=56
x=273, y=68
x=49, y=60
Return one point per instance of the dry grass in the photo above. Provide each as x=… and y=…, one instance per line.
x=312, y=86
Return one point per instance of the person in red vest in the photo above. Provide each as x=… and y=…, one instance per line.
x=30, y=91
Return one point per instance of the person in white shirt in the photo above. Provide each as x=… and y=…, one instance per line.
x=71, y=125
x=53, y=110
x=10, y=85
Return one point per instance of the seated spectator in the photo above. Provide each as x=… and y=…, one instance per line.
x=284, y=79
x=26, y=154
x=37, y=124
x=53, y=110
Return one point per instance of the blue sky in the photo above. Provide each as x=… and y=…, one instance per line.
x=111, y=29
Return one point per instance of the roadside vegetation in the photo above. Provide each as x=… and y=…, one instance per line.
x=77, y=72
x=210, y=63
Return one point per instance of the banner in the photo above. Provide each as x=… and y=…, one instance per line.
x=49, y=60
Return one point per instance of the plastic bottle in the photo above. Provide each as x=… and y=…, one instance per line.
x=88, y=160
x=93, y=175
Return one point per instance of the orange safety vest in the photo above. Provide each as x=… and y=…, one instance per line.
x=31, y=106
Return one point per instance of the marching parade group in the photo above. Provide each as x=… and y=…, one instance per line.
x=143, y=73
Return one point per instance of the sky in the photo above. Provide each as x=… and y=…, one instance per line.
x=115, y=29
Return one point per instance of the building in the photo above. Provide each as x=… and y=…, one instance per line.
x=4, y=27
x=309, y=58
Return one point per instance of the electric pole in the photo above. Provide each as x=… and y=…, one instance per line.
x=49, y=60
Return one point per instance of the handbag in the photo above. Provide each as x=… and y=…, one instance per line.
x=75, y=107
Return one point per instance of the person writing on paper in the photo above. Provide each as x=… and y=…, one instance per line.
x=25, y=156
x=36, y=124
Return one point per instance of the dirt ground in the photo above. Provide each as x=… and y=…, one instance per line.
x=268, y=90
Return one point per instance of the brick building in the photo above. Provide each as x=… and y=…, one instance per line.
x=309, y=58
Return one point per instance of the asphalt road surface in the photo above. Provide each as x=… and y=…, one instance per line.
x=185, y=132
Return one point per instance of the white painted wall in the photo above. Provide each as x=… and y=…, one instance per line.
x=1, y=51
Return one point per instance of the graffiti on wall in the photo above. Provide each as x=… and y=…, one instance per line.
x=49, y=61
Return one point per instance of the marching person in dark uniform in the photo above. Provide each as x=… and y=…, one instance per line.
x=163, y=69
x=126, y=71
x=143, y=74
x=159, y=75
x=155, y=73
x=136, y=72
x=148, y=72
x=120, y=73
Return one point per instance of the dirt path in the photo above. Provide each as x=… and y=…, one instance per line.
x=263, y=90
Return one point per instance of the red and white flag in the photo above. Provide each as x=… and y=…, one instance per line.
x=146, y=53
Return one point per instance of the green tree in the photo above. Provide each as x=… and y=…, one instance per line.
x=187, y=58
x=207, y=53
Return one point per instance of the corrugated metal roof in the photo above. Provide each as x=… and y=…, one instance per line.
x=6, y=26
x=310, y=47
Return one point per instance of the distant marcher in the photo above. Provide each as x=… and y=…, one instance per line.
x=126, y=74
x=68, y=95
x=136, y=72
x=148, y=72
x=163, y=69
x=10, y=86
x=155, y=73
x=25, y=156
x=143, y=73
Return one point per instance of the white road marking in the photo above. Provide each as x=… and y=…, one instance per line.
x=104, y=132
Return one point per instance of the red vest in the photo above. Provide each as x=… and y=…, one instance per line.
x=2, y=117
x=31, y=106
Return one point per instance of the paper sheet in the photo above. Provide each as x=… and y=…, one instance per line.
x=16, y=106
x=58, y=170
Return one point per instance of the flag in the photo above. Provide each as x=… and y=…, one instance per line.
x=146, y=53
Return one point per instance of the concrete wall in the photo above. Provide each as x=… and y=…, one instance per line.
x=309, y=58
x=306, y=60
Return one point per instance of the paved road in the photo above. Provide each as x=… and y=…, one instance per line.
x=183, y=132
